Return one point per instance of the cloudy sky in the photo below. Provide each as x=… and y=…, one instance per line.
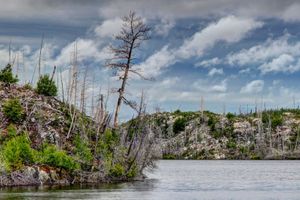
x=233, y=53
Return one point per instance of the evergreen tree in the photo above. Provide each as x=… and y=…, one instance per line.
x=7, y=77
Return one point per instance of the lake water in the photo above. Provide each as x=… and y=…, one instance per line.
x=180, y=180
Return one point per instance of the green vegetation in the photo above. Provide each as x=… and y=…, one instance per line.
x=117, y=170
x=28, y=86
x=169, y=157
x=179, y=125
x=276, y=117
x=7, y=77
x=46, y=86
x=231, y=144
x=17, y=152
x=51, y=156
x=82, y=150
x=13, y=110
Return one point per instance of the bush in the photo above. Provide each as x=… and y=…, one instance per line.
x=82, y=150
x=179, y=125
x=230, y=116
x=13, y=110
x=231, y=144
x=57, y=158
x=11, y=131
x=17, y=152
x=132, y=172
x=117, y=170
x=7, y=77
x=28, y=86
x=46, y=86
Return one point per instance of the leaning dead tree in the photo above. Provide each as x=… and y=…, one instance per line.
x=134, y=32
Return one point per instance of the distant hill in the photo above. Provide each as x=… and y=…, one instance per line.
x=271, y=134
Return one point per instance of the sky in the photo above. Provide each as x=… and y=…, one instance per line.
x=234, y=54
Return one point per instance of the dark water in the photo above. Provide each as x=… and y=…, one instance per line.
x=180, y=180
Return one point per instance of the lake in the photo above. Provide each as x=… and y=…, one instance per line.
x=180, y=180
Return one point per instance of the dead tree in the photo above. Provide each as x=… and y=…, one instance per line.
x=133, y=33
x=40, y=55
x=73, y=91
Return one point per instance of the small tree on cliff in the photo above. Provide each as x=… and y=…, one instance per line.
x=133, y=33
x=7, y=77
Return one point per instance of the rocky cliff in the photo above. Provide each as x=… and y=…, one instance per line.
x=273, y=134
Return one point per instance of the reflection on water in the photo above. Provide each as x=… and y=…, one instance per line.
x=176, y=180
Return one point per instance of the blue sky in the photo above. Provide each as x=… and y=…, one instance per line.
x=234, y=54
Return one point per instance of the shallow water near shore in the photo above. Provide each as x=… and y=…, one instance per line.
x=181, y=179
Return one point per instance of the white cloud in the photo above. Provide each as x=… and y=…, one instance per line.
x=255, y=86
x=262, y=52
x=228, y=29
x=284, y=63
x=164, y=27
x=244, y=71
x=87, y=49
x=215, y=71
x=208, y=63
x=154, y=65
x=221, y=88
x=109, y=28
x=278, y=55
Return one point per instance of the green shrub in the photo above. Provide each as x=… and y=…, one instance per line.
x=17, y=152
x=276, y=118
x=217, y=134
x=82, y=150
x=46, y=86
x=13, y=110
x=117, y=170
x=169, y=157
x=7, y=77
x=231, y=144
x=132, y=172
x=50, y=155
x=28, y=86
x=212, y=122
x=179, y=125
x=11, y=131
x=230, y=116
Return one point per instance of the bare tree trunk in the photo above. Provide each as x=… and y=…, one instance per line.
x=82, y=98
x=40, y=55
x=62, y=87
x=53, y=72
x=73, y=87
x=121, y=90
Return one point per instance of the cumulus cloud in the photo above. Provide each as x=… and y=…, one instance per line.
x=255, y=86
x=274, y=55
x=208, y=63
x=109, y=27
x=215, y=71
x=262, y=52
x=220, y=88
x=284, y=63
x=158, y=61
x=229, y=29
x=164, y=26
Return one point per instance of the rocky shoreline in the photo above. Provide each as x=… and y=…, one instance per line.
x=47, y=176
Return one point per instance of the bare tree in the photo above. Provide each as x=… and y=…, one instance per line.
x=133, y=33
x=40, y=55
